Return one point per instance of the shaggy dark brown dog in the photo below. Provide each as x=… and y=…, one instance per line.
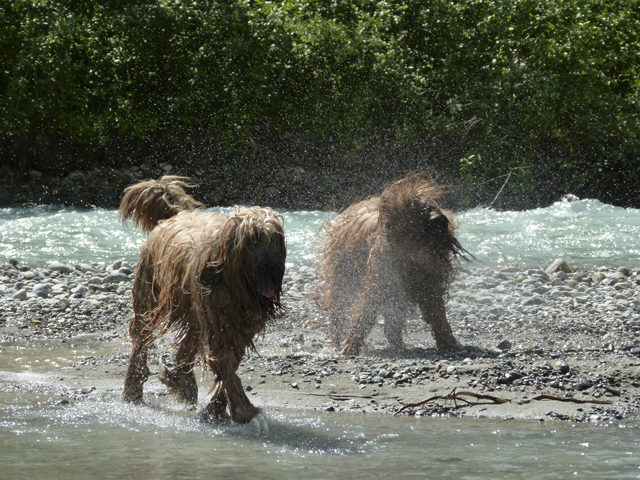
x=213, y=280
x=384, y=255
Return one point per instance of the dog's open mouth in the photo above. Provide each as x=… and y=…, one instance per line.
x=267, y=289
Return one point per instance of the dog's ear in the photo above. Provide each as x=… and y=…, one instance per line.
x=211, y=277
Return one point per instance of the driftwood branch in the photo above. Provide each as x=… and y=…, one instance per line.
x=545, y=396
x=457, y=395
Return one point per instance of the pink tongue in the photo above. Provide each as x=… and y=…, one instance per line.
x=267, y=290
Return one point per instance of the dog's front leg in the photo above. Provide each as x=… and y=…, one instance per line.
x=434, y=313
x=240, y=408
x=229, y=392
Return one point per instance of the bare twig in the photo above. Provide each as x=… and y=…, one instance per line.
x=545, y=396
x=501, y=252
x=505, y=183
x=503, y=175
x=455, y=395
x=501, y=188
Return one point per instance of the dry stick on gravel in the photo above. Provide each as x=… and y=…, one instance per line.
x=455, y=395
x=545, y=396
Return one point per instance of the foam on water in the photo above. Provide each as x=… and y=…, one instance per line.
x=39, y=235
x=586, y=233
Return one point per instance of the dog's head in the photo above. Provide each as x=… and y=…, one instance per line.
x=411, y=217
x=251, y=260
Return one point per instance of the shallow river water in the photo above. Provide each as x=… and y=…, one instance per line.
x=587, y=233
x=104, y=438
x=99, y=437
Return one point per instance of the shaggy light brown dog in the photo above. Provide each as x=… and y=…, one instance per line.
x=213, y=280
x=384, y=255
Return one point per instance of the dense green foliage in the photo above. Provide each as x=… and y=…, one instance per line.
x=488, y=86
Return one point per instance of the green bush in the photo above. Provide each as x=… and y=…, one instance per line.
x=546, y=90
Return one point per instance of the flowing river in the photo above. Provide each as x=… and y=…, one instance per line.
x=101, y=437
x=586, y=233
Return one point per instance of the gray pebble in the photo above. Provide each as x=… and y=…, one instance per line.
x=20, y=294
x=115, y=278
x=535, y=300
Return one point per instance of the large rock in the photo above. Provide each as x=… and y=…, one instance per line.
x=558, y=265
x=84, y=268
x=60, y=267
x=43, y=290
x=20, y=294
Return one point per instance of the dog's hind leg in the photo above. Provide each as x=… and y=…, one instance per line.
x=338, y=323
x=181, y=380
x=216, y=409
x=344, y=290
x=137, y=372
x=371, y=304
x=140, y=332
x=364, y=320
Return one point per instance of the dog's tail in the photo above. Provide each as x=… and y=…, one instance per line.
x=147, y=203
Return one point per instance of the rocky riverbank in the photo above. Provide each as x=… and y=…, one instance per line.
x=559, y=332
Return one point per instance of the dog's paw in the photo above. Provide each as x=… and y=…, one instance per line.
x=215, y=410
x=182, y=385
x=207, y=415
x=260, y=423
x=131, y=395
x=329, y=348
x=243, y=413
x=454, y=346
x=350, y=349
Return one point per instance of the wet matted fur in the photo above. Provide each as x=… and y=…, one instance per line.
x=383, y=255
x=213, y=280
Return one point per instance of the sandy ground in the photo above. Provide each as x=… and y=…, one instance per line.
x=293, y=370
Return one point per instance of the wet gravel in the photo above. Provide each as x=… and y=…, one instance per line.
x=555, y=330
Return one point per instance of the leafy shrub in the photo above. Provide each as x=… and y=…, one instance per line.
x=546, y=90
